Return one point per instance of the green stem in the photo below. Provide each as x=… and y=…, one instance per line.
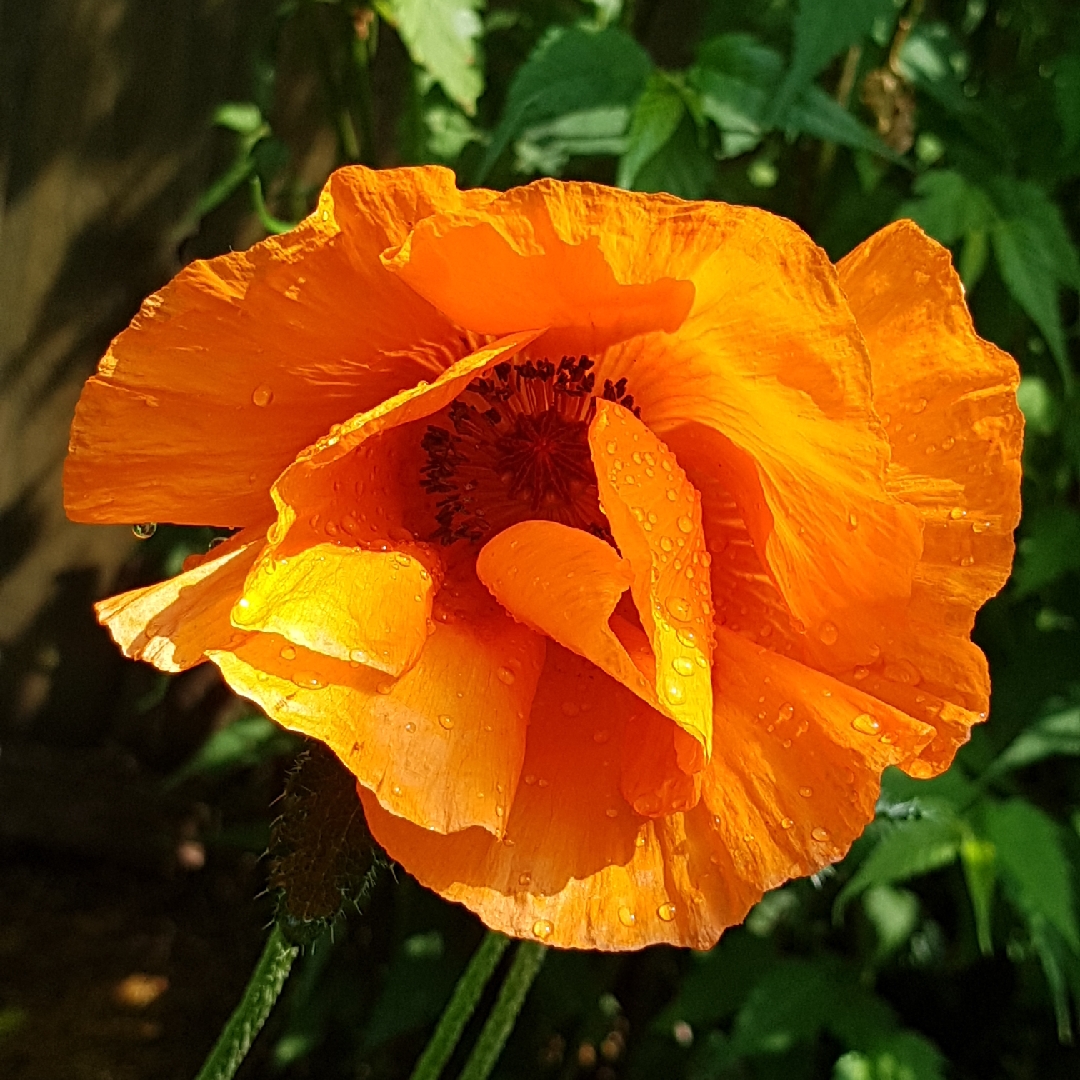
x=249, y=1016
x=526, y=966
x=270, y=223
x=462, y=1005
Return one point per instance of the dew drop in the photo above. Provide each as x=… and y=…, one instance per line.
x=601, y=736
x=819, y=834
x=358, y=656
x=410, y=727
x=865, y=723
x=685, y=524
x=524, y=878
x=262, y=396
x=683, y=665
x=853, y=521
x=308, y=679
x=626, y=916
x=967, y=560
x=956, y=513
x=679, y=608
x=384, y=688
x=543, y=929
x=828, y=633
x=860, y=673
x=611, y=812
x=806, y=792
x=505, y=676
x=919, y=406
x=612, y=446
x=288, y=653
x=666, y=912
x=674, y=692
x=688, y=637
x=787, y=711
x=980, y=526
x=144, y=530
x=786, y=823
x=446, y=722
x=672, y=496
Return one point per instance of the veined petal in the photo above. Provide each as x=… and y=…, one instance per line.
x=577, y=867
x=522, y=259
x=655, y=517
x=240, y=362
x=173, y=623
x=442, y=745
x=947, y=400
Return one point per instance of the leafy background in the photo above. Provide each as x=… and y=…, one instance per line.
x=947, y=944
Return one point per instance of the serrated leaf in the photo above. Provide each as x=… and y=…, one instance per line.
x=546, y=148
x=737, y=77
x=682, y=166
x=906, y=850
x=570, y=71
x=1049, y=549
x=823, y=29
x=655, y=118
x=1034, y=867
x=441, y=37
x=948, y=207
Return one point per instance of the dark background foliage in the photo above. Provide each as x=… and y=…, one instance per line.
x=134, y=808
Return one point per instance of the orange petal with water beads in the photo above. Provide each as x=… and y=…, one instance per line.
x=655, y=517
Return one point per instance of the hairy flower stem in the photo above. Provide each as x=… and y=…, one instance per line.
x=526, y=966
x=461, y=1006
x=249, y=1016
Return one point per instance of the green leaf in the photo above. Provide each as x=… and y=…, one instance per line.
x=979, y=860
x=737, y=76
x=907, y=849
x=682, y=167
x=654, y=121
x=1049, y=550
x=243, y=117
x=546, y=148
x=245, y=742
x=824, y=29
x=1038, y=404
x=789, y=1005
x=894, y=914
x=949, y=207
x=1058, y=733
x=1062, y=970
x=441, y=37
x=1034, y=867
x=1036, y=256
x=570, y=71
x=903, y=1055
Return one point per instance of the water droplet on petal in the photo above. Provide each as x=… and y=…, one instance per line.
x=262, y=396
x=525, y=878
x=786, y=823
x=956, y=513
x=674, y=692
x=665, y=543
x=853, y=521
x=446, y=722
x=787, y=711
x=612, y=446
x=679, y=608
x=505, y=676
x=145, y=530
x=601, y=736
x=819, y=834
x=611, y=812
x=685, y=524
x=410, y=727
x=288, y=653
x=384, y=688
x=683, y=665
x=860, y=673
x=865, y=723
x=666, y=912
x=358, y=656
x=626, y=916
x=806, y=792
x=543, y=929
x=828, y=633
x=308, y=679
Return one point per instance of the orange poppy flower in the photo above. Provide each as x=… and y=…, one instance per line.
x=615, y=543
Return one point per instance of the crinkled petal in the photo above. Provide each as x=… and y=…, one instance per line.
x=239, y=363
x=442, y=745
x=341, y=574
x=948, y=403
x=771, y=359
x=528, y=257
x=172, y=624
x=577, y=867
x=796, y=775
x=655, y=517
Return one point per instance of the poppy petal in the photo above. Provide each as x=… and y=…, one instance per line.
x=443, y=744
x=655, y=517
x=795, y=778
x=522, y=259
x=948, y=402
x=342, y=575
x=577, y=867
x=240, y=362
x=770, y=357
x=173, y=623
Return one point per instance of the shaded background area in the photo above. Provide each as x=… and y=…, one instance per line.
x=131, y=884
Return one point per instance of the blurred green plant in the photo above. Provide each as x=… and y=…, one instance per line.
x=948, y=942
